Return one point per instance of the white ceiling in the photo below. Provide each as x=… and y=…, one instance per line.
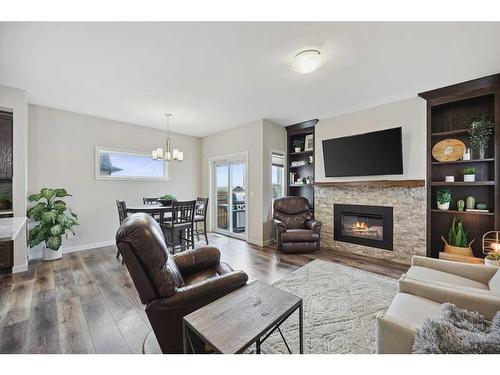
x=214, y=76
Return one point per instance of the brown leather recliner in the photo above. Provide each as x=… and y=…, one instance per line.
x=172, y=286
x=296, y=230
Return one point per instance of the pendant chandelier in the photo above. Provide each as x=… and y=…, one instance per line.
x=168, y=154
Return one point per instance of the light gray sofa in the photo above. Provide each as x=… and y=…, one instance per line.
x=428, y=284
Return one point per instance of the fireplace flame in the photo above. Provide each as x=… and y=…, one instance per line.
x=360, y=226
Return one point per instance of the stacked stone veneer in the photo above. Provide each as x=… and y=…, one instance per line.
x=409, y=205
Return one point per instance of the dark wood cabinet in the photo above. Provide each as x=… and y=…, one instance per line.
x=6, y=131
x=6, y=255
x=301, y=164
x=449, y=109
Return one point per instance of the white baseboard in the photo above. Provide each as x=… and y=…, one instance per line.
x=20, y=268
x=261, y=243
x=38, y=252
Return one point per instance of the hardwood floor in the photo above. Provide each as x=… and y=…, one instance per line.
x=87, y=303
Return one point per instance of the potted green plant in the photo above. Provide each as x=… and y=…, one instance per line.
x=53, y=218
x=480, y=132
x=167, y=199
x=457, y=240
x=5, y=200
x=469, y=174
x=492, y=259
x=297, y=145
x=443, y=198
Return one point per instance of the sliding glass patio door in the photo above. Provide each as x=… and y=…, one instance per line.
x=229, y=195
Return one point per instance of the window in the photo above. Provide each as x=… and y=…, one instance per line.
x=114, y=164
x=277, y=175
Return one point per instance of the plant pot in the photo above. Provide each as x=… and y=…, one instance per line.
x=165, y=202
x=469, y=177
x=464, y=251
x=482, y=154
x=492, y=262
x=297, y=149
x=443, y=206
x=49, y=254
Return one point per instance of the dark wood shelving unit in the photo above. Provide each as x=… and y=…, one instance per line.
x=487, y=160
x=461, y=183
x=448, y=111
x=299, y=132
x=6, y=169
x=457, y=212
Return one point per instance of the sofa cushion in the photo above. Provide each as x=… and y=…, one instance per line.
x=299, y=235
x=433, y=276
x=412, y=309
x=494, y=283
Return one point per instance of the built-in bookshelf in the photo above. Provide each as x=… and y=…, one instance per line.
x=449, y=109
x=300, y=178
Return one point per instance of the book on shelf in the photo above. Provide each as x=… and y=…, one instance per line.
x=476, y=210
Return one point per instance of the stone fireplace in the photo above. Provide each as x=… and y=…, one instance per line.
x=365, y=231
x=363, y=225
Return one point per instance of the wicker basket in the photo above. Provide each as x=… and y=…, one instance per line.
x=464, y=251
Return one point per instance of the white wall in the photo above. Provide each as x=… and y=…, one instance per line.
x=61, y=154
x=410, y=114
x=246, y=138
x=14, y=100
x=274, y=139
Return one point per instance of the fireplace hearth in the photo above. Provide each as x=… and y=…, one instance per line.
x=364, y=225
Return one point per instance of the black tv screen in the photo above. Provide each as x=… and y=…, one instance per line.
x=375, y=153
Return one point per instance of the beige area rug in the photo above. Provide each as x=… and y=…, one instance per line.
x=340, y=306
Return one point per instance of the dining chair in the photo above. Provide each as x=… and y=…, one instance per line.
x=200, y=216
x=151, y=201
x=181, y=225
x=122, y=215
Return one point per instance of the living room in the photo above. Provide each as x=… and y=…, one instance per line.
x=284, y=187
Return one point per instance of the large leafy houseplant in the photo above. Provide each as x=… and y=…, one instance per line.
x=53, y=216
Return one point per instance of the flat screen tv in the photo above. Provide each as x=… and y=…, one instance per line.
x=375, y=153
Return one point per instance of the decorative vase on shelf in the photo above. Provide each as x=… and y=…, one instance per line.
x=470, y=202
x=443, y=206
x=460, y=204
x=297, y=149
x=466, y=155
x=482, y=153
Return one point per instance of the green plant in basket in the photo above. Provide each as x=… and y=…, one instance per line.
x=53, y=217
x=469, y=170
x=168, y=197
x=443, y=196
x=457, y=236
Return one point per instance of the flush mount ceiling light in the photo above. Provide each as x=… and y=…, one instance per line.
x=306, y=61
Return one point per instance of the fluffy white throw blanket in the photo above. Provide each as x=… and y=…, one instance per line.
x=458, y=331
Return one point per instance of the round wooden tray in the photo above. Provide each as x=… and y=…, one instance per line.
x=448, y=150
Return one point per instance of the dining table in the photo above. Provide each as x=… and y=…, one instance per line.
x=163, y=212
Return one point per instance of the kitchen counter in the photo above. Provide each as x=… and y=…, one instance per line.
x=10, y=227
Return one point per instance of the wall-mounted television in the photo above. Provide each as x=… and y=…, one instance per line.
x=375, y=153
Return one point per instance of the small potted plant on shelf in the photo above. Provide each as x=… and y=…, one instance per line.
x=443, y=198
x=457, y=240
x=53, y=218
x=297, y=145
x=469, y=174
x=5, y=200
x=492, y=259
x=167, y=199
x=480, y=132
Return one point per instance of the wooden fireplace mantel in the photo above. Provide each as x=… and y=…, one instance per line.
x=374, y=183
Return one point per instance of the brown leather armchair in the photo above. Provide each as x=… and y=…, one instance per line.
x=172, y=286
x=296, y=230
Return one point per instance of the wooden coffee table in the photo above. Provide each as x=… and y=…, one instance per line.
x=246, y=316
